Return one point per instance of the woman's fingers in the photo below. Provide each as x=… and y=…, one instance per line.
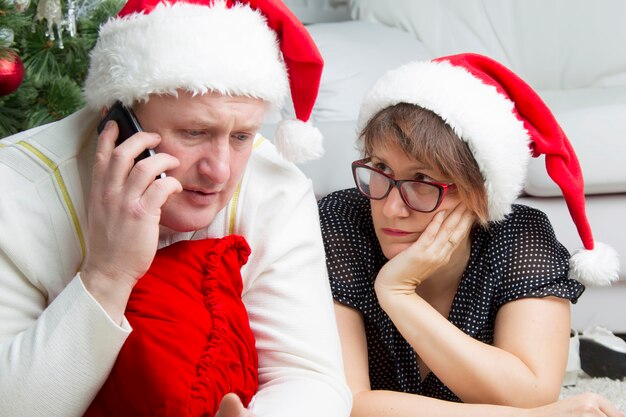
x=581, y=405
x=461, y=228
x=446, y=231
x=428, y=253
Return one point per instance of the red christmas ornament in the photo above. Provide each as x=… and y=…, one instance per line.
x=11, y=72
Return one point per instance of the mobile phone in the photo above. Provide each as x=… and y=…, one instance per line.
x=128, y=125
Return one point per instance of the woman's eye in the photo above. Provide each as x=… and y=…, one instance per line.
x=422, y=177
x=381, y=167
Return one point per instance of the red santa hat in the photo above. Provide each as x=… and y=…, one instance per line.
x=504, y=122
x=255, y=48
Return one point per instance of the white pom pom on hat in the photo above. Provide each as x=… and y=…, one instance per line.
x=309, y=140
x=255, y=48
x=504, y=122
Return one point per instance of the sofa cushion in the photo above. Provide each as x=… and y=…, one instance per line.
x=594, y=121
x=549, y=43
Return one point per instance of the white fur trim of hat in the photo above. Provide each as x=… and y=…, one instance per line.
x=480, y=116
x=176, y=46
x=504, y=122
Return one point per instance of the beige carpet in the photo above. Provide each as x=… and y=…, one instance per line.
x=614, y=390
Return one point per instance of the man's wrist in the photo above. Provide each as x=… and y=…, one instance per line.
x=112, y=295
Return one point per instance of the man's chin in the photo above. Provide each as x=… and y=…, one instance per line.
x=181, y=223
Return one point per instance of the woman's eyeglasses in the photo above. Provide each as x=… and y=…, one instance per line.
x=423, y=196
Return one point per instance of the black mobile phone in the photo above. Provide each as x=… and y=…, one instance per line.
x=128, y=125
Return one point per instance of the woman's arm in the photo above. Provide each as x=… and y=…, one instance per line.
x=524, y=367
x=396, y=404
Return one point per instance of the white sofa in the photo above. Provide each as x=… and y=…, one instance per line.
x=571, y=51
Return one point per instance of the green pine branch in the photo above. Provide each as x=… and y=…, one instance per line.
x=54, y=77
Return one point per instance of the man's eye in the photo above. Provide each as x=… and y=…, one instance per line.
x=242, y=137
x=195, y=133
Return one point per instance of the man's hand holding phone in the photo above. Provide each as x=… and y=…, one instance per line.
x=124, y=214
x=127, y=125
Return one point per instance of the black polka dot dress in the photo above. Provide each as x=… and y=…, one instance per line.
x=516, y=258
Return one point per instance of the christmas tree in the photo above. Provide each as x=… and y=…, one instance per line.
x=44, y=50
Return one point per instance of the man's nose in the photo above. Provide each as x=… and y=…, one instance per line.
x=215, y=161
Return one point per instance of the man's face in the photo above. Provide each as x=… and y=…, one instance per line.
x=212, y=136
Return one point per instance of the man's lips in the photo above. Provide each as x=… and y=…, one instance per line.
x=201, y=196
x=201, y=190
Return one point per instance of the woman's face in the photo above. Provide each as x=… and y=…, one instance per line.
x=396, y=225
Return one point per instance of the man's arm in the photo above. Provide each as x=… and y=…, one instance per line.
x=53, y=359
x=57, y=342
x=290, y=308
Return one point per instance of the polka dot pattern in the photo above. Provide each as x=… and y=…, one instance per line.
x=516, y=258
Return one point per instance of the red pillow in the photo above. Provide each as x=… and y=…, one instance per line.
x=191, y=341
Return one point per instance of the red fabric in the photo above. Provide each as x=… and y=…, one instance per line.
x=191, y=341
x=547, y=137
x=304, y=61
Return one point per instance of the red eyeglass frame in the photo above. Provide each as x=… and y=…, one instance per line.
x=362, y=163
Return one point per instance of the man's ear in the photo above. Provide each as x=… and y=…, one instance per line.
x=104, y=111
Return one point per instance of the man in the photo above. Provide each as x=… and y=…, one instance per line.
x=80, y=222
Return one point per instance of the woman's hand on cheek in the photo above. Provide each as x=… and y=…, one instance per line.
x=407, y=270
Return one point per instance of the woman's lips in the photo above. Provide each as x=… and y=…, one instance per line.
x=395, y=232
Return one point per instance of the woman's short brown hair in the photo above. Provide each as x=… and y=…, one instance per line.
x=423, y=135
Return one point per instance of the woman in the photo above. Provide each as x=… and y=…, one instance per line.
x=443, y=287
